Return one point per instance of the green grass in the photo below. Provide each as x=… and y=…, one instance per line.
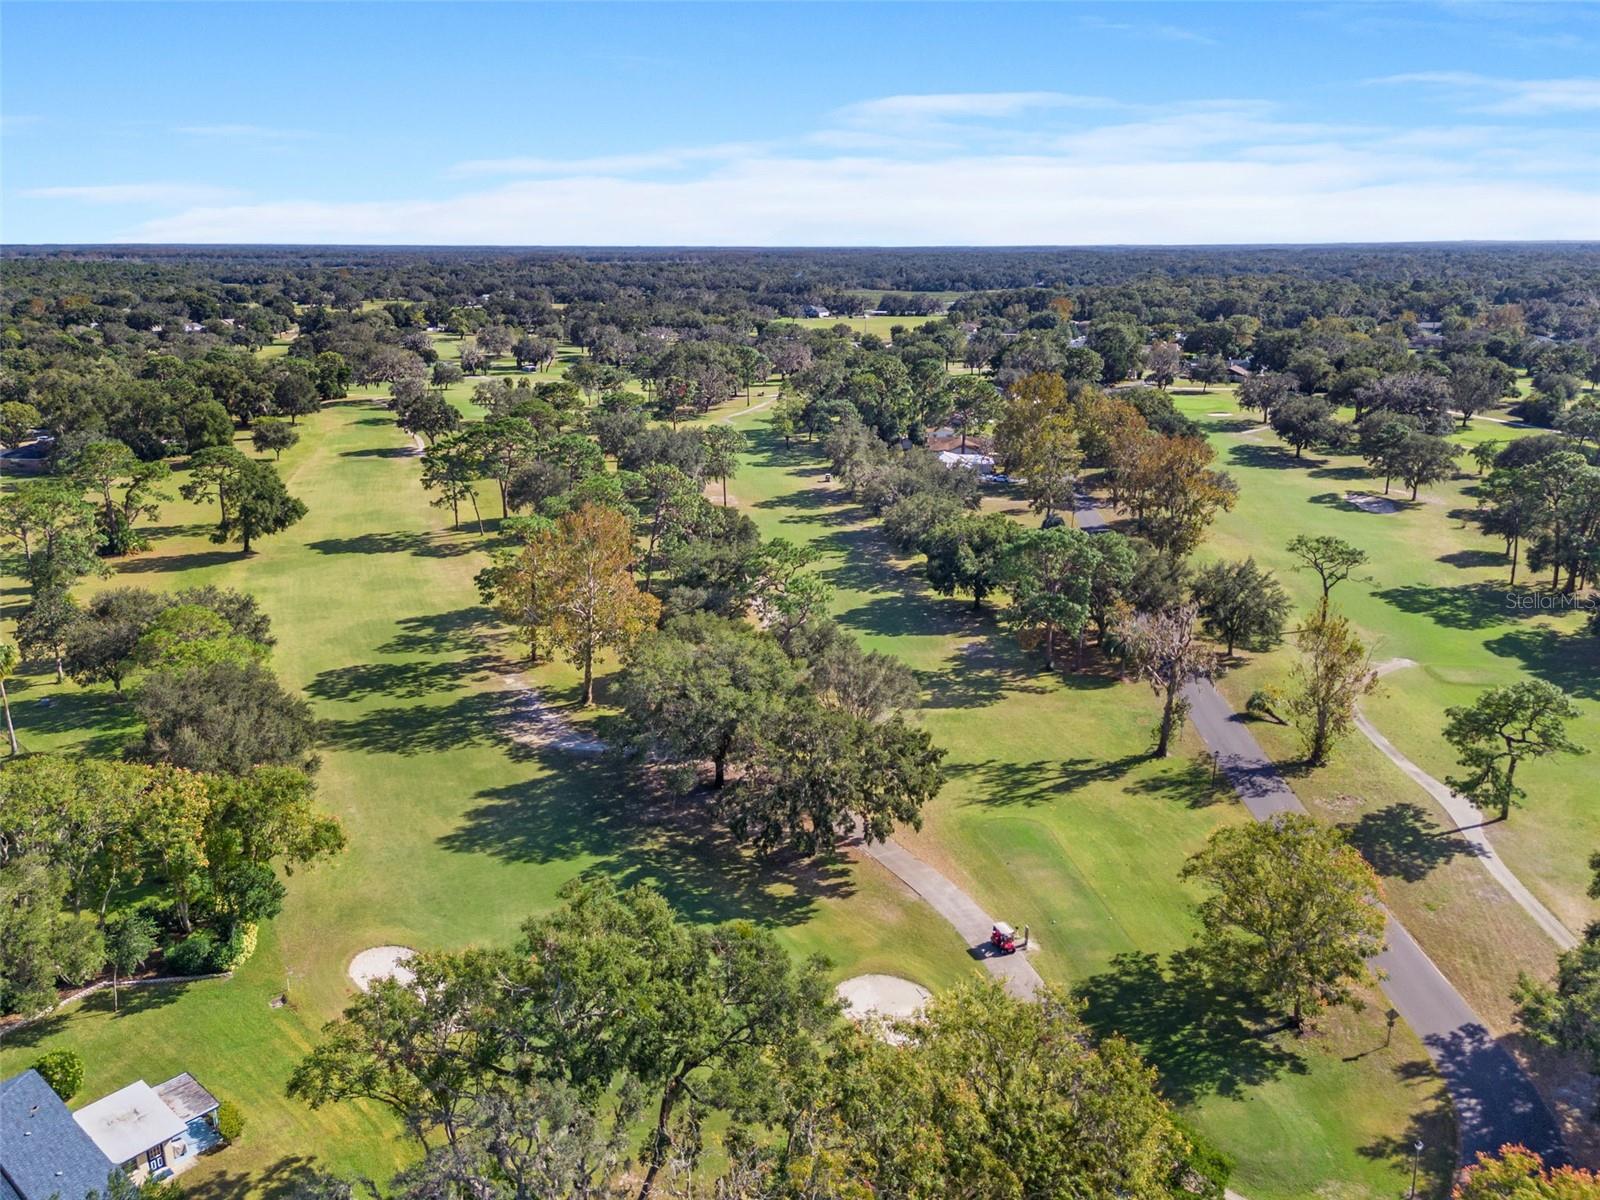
x=457, y=833
x=1435, y=593
x=1057, y=818
x=859, y=325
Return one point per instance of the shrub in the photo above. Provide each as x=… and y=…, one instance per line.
x=230, y=1121
x=63, y=1071
x=1263, y=704
x=1207, y=1168
x=236, y=951
x=195, y=955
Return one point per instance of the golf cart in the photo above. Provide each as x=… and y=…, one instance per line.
x=1003, y=938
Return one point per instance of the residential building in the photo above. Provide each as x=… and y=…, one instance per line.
x=44, y=1153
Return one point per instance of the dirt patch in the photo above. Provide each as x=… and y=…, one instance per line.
x=382, y=962
x=886, y=996
x=1393, y=664
x=534, y=723
x=1367, y=502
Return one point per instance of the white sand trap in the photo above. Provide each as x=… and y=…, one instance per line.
x=1224, y=414
x=883, y=995
x=1370, y=503
x=382, y=962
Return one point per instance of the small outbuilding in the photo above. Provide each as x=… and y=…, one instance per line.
x=188, y=1100
x=134, y=1128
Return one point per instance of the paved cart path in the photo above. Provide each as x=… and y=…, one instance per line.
x=961, y=910
x=1495, y=1101
x=1469, y=821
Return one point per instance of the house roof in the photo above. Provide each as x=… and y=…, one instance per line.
x=43, y=1152
x=128, y=1122
x=185, y=1097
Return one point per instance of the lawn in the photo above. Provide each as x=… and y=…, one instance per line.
x=882, y=326
x=1435, y=593
x=457, y=833
x=1057, y=818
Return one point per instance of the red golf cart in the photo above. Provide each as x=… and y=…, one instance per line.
x=1003, y=938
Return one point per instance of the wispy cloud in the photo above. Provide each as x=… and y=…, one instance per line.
x=669, y=159
x=1215, y=171
x=957, y=106
x=1148, y=29
x=244, y=133
x=133, y=193
x=1509, y=97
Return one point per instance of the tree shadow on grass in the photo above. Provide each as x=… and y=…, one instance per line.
x=1268, y=458
x=1467, y=559
x=404, y=680
x=592, y=809
x=473, y=719
x=424, y=545
x=813, y=506
x=1195, y=783
x=458, y=631
x=103, y=718
x=1402, y=841
x=1005, y=784
x=1432, y=1123
x=1346, y=473
x=1202, y=1039
x=1470, y=606
x=279, y=1180
x=1571, y=661
x=194, y=560
x=979, y=674
x=134, y=1001
x=380, y=452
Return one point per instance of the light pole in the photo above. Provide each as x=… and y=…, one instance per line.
x=1416, y=1157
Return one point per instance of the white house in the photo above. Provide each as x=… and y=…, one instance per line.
x=150, y=1131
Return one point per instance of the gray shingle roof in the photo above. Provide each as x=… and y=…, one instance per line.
x=43, y=1153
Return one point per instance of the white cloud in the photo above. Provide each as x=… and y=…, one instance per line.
x=980, y=200
x=1509, y=97
x=952, y=106
x=244, y=133
x=971, y=168
x=132, y=193
x=608, y=164
x=1156, y=30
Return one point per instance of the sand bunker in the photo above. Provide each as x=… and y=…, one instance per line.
x=1370, y=503
x=883, y=995
x=382, y=962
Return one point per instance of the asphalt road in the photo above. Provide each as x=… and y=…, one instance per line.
x=1495, y=1102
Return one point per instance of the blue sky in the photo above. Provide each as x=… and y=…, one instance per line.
x=798, y=124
